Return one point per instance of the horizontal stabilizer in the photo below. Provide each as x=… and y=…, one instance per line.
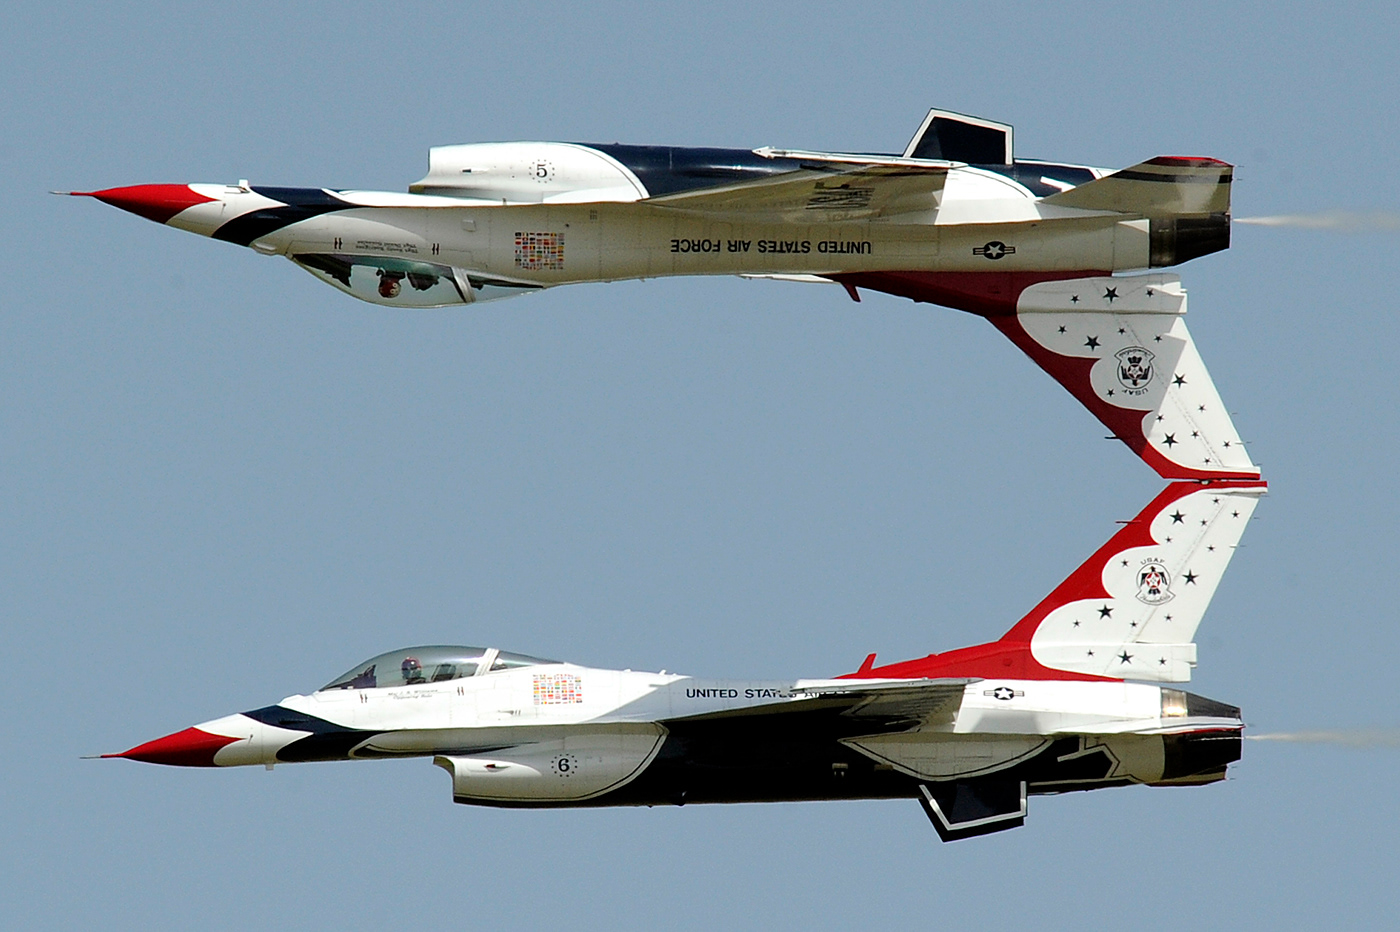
x=851, y=192
x=1164, y=186
x=1120, y=346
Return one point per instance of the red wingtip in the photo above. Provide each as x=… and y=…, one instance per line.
x=188, y=748
x=158, y=202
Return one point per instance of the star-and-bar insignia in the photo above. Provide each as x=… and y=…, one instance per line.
x=1004, y=693
x=993, y=250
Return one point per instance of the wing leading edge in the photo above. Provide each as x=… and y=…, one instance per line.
x=822, y=192
x=907, y=701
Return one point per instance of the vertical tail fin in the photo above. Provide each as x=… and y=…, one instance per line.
x=1120, y=346
x=1132, y=609
x=1128, y=612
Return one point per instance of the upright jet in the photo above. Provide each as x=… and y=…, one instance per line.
x=971, y=733
x=954, y=219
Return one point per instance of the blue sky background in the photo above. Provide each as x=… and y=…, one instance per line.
x=222, y=482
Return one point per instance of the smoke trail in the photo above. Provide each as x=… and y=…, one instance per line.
x=1342, y=221
x=1356, y=738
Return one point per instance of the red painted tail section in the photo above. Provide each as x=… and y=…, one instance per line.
x=1011, y=656
x=1119, y=345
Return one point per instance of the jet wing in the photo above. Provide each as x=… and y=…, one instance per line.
x=924, y=701
x=822, y=192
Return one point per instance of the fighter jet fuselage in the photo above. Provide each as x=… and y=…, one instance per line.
x=497, y=219
x=539, y=733
x=1038, y=248
x=955, y=219
x=970, y=733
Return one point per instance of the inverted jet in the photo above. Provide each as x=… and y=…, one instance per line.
x=953, y=219
x=1075, y=696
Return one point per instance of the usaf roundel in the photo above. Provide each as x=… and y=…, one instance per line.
x=1154, y=583
x=1135, y=368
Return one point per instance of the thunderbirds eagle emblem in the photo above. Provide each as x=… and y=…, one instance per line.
x=1135, y=368
x=1154, y=583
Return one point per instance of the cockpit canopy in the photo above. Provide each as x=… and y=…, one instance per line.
x=411, y=666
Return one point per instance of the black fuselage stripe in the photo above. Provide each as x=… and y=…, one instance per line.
x=298, y=204
x=1129, y=175
x=326, y=741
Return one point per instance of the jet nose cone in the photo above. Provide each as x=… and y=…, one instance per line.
x=188, y=748
x=158, y=202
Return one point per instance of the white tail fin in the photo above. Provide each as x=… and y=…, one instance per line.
x=1128, y=612
x=1121, y=347
x=1132, y=609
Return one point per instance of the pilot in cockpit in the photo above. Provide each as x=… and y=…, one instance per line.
x=412, y=670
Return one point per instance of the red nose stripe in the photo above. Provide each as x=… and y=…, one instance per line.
x=188, y=748
x=158, y=202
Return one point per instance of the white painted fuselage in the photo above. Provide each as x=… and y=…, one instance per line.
x=504, y=734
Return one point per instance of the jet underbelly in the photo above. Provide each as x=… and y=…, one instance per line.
x=940, y=756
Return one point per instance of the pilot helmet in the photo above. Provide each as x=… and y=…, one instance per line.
x=412, y=669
